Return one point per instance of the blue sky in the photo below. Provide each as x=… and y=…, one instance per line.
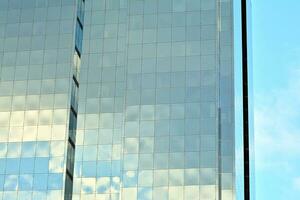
x=276, y=66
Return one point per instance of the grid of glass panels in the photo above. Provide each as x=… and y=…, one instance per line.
x=36, y=57
x=155, y=118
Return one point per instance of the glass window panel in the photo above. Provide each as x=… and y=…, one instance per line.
x=16, y=134
x=57, y=148
x=41, y=165
x=161, y=161
x=89, y=152
x=192, y=143
x=45, y=117
x=131, y=145
x=145, y=178
x=89, y=169
x=104, y=168
x=176, y=160
x=25, y=182
x=161, y=144
x=13, y=149
x=46, y=101
x=40, y=181
x=56, y=164
x=58, y=132
x=161, y=193
x=192, y=192
x=105, y=137
x=104, y=152
x=27, y=165
x=207, y=176
x=103, y=185
x=59, y=116
x=176, y=177
x=18, y=103
x=30, y=133
x=12, y=165
x=177, y=143
x=130, y=162
x=162, y=111
x=146, y=161
x=161, y=178
x=17, y=118
x=55, y=181
x=11, y=182
x=191, y=177
x=42, y=149
x=31, y=118
x=191, y=159
x=88, y=185
x=129, y=179
x=146, y=144
x=129, y=193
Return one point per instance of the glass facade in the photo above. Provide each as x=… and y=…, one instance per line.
x=156, y=101
x=117, y=99
x=38, y=97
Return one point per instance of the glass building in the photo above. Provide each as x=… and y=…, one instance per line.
x=40, y=48
x=117, y=99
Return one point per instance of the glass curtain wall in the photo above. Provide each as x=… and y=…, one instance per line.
x=37, y=40
x=156, y=101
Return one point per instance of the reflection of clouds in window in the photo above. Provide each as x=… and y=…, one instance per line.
x=25, y=182
x=56, y=164
x=145, y=193
x=13, y=149
x=129, y=179
x=145, y=178
x=57, y=148
x=55, y=181
x=88, y=185
x=176, y=177
x=16, y=119
x=30, y=133
x=42, y=149
x=11, y=182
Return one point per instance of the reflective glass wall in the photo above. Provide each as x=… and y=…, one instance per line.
x=156, y=101
x=37, y=43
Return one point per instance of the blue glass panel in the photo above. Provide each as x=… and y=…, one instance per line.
x=40, y=181
x=25, y=182
x=145, y=193
x=129, y=179
x=42, y=149
x=55, y=181
x=28, y=149
x=104, y=168
x=41, y=165
x=27, y=165
x=77, y=169
x=13, y=149
x=12, y=165
x=89, y=169
x=115, y=168
x=11, y=182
